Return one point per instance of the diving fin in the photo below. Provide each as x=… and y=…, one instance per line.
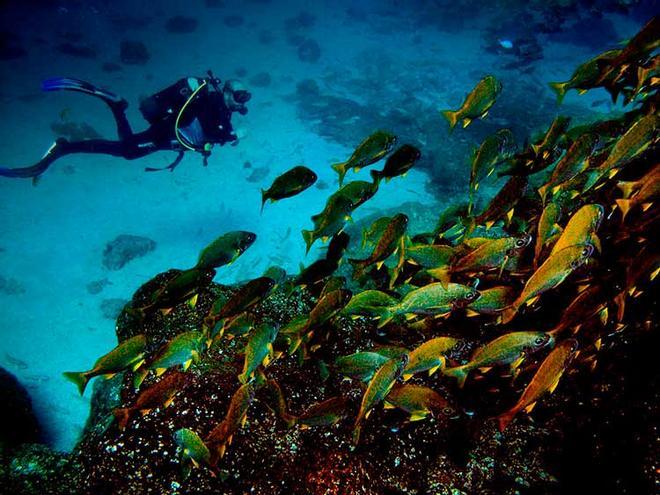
x=71, y=84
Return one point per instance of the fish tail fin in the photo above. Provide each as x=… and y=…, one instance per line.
x=441, y=274
x=80, y=378
x=386, y=315
x=358, y=267
x=452, y=118
x=508, y=314
x=376, y=176
x=560, y=90
x=289, y=419
x=458, y=372
x=340, y=168
x=122, y=414
x=624, y=204
x=308, y=236
x=504, y=419
x=627, y=188
x=356, y=433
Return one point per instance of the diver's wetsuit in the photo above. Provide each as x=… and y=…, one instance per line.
x=205, y=121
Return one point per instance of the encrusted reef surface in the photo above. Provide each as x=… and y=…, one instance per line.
x=597, y=432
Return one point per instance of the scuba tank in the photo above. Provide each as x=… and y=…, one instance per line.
x=168, y=102
x=171, y=103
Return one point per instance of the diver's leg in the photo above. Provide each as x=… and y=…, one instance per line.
x=116, y=103
x=124, y=131
x=129, y=150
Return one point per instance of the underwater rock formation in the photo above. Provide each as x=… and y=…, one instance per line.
x=181, y=25
x=20, y=424
x=233, y=21
x=11, y=47
x=111, y=308
x=309, y=51
x=74, y=131
x=260, y=80
x=77, y=50
x=10, y=286
x=97, y=286
x=133, y=52
x=124, y=248
x=111, y=67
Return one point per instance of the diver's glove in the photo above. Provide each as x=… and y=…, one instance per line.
x=206, y=152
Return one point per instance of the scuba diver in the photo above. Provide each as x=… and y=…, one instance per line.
x=193, y=114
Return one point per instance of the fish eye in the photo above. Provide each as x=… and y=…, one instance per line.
x=586, y=251
x=448, y=411
x=539, y=340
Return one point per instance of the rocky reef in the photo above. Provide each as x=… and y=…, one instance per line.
x=540, y=357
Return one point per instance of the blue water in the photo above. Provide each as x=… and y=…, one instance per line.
x=375, y=58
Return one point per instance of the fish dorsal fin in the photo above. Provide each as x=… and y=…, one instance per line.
x=418, y=416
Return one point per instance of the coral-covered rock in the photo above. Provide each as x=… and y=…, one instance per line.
x=125, y=248
x=19, y=424
x=309, y=51
x=133, y=52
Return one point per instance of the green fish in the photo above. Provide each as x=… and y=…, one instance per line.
x=546, y=228
x=585, y=77
x=218, y=439
x=390, y=241
x=639, y=193
x=184, y=286
x=225, y=249
x=360, y=365
x=510, y=348
x=633, y=143
x=368, y=303
x=369, y=151
x=398, y=163
x=258, y=351
x=357, y=191
x=571, y=164
x=326, y=413
x=430, y=356
x=290, y=183
x=419, y=402
x=276, y=401
x=247, y=296
x=491, y=301
x=328, y=307
x=374, y=232
x=504, y=202
x=493, y=150
x=493, y=254
x=181, y=350
x=476, y=104
x=159, y=394
x=430, y=300
x=192, y=447
x=428, y=255
x=332, y=284
x=379, y=386
x=545, y=379
x=581, y=228
x=549, y=275
x=128, y=354
x=639, y=46
x=544, y=147
x=331, y=222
